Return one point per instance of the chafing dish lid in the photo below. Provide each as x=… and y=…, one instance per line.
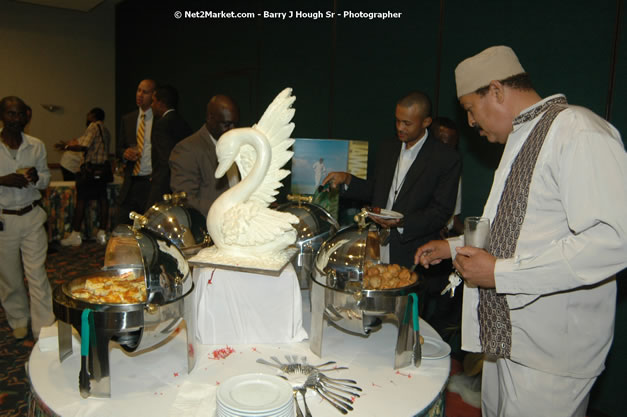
x=175, y=221
x=340, y=260
x=161, y=262
x=313, y=220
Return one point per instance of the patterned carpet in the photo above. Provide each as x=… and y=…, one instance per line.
x=62, y=264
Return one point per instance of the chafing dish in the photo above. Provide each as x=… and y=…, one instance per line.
x=314, y=227
x=135, y=326
x=177, y=222
x=338, y=297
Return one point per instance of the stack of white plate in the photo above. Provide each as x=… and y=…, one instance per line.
x=259, y=395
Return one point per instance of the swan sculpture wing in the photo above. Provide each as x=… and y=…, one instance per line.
x=276, y=126
x=252, y=224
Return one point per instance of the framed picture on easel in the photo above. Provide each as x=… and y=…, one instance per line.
x=314, y=158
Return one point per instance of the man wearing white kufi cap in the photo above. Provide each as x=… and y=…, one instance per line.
x=540, y=301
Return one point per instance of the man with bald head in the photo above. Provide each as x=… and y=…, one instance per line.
x=193, y=161
x=134, y=147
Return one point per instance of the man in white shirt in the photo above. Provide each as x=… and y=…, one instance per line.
x=134, y=146
x=540, y=302
x=23, y=239
x=415, y=175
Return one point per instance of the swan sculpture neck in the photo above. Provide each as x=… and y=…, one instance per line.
x=247, y=186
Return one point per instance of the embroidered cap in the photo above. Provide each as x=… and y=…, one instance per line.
x=495, y=63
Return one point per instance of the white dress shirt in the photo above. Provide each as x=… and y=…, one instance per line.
x=31, y=153
x=145, y=164
x=405, y=160
x=574, y=237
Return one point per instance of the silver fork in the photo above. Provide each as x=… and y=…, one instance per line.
x=303, y=392
x=312, y=382
x=298, y=412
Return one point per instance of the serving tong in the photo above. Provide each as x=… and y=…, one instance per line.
x=330, y=389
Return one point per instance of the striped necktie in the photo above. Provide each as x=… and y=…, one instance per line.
x=140, y=143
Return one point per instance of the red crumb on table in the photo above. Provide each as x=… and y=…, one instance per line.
x=221, y=353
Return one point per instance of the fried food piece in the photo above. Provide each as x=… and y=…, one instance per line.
x=387, y=276
x=375, y=282
x=404, y=275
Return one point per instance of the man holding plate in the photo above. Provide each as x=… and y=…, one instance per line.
x=540, y=301
x=415, y=183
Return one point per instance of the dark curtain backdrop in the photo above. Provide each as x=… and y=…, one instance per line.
x=348, y=73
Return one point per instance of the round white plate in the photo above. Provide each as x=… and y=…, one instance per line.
x=434, y=348
x=290, y=412
x=254, y=392
x=287, y=411
x=386, y=214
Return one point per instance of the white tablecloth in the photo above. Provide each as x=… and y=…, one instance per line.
x=156, y=383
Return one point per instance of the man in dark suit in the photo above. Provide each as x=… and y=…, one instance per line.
x=417, y=177
x=193, y=161
x=133, y=146
x=169, y=129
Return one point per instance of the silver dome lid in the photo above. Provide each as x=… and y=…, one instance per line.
x=314, y=221
x=176, y=222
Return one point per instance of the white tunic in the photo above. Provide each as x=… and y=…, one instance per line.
x=559, y=284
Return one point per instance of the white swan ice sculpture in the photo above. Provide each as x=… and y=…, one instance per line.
x=239, y=221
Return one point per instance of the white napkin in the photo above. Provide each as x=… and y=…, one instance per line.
x=49, y=338
x=194, y=400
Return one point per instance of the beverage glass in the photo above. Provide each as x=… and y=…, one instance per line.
x=477, y=232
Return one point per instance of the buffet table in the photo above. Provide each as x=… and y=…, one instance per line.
x=156, y=382
x=59, y=201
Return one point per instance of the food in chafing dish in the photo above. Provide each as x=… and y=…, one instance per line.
x=123, y=289
x=384, y=277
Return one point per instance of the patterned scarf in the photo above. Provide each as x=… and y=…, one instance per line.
x=494, y=319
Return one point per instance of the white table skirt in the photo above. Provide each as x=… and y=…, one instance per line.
x=243, y=308
x=156, y=383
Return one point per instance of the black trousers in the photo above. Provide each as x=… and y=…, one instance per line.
x=136, y=199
